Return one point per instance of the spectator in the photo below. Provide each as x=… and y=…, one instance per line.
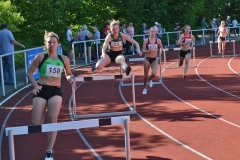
x=124, y=31
x=235, y=27
x=214, y=29
x=70, y=39
x=86, y=36
x=228, y=23
x=203, y=27
x=130, y=32
x=160, y=31
x=176, y=28
x=7, y=42
x=96, y=36
x=145, y=30
x=80, y=45
x=106, y=31
x=217, y=23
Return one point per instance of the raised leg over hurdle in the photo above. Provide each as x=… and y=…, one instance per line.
x=96, y=78
x=20, y=130
x=222, y=55
x=177, y=49
x=141, y=83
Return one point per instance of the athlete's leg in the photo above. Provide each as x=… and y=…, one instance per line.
x=38, y=110
x=146, y=66
x=154, y=67
x=120, y=59
x=223, y=47
x=54, y=106
x=102, y=63
x=187, y=59
x=180, y=63
x=219, y=46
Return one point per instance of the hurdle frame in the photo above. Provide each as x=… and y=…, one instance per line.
x=141, y=83
x=223, y=55
x=177, y=49
x=132, y=110
x=50, y=127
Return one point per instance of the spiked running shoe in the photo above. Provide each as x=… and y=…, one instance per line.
x=184, y=76
x=128, y=70
x=150, y=83
x=49, y=155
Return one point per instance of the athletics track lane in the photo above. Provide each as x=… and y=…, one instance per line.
x=146, y=143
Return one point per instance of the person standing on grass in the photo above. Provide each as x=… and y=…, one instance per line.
x=222, y=32
x=115, y=53
x=7, y=42
x=70, y=40
x=151, y=47
x=47, y=92
x=186, y=42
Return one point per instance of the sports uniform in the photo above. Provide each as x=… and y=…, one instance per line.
x=115, y=43
x=50, y=68
x=185, y=39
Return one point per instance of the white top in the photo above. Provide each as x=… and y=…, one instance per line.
x=234, y=23
x=69, y=32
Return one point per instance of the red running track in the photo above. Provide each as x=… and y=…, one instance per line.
x=196, y=118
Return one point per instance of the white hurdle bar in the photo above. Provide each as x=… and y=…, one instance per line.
x=20, y=130
x=94, y=78
x=137, y=60
x=221, y=55
x=177, y=49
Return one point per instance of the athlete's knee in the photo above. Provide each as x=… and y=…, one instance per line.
x=120, y=59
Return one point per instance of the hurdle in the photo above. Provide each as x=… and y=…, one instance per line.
x=109, y=77
x=177, y=49
x=221, y=55
x=137, y=60
x=21, y=130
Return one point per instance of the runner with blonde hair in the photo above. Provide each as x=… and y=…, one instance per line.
x=222, y=32
x=151, y=47
x=114, y=54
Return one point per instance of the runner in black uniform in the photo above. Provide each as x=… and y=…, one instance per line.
x=114, y=54
x=151, y=47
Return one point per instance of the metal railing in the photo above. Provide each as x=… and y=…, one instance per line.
x=168, y=39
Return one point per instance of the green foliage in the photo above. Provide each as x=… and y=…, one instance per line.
x=10, y=16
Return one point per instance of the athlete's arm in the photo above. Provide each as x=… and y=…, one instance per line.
x=180, y=40
x=144, y=51
x=131, y=40
x=105, y=44
x=32, y=68
x=68, y=72
x=160, y=45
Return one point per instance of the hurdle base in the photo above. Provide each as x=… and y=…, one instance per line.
x=139, y=84
x=220, y=55
x=180, y=67
x=105, y=114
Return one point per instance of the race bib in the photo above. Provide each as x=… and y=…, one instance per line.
x=152, y=46
x=116, y=44
x=188, y=41
x=53, y=70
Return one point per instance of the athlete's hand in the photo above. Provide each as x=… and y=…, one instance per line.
x=139, y=53
x=36, y=89
x=103, y=55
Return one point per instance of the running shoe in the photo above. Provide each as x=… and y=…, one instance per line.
x=93, y=67
x=128, y=70
x=144, y=91
x=184, y=76
x=150, y=83
x=49, y=155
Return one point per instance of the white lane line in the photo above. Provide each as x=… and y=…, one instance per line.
x=158, y=129
x=229, y=66
x=196, y=70
x=78, y=130
x=5, y=122
x=13, y=94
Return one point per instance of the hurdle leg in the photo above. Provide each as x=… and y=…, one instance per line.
x=165, y=61
x=133, y=92
x=127, y=138
x=11, y=145
x=234, y=53
x=210, y=42
x=160, y=68
x=74, y=102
